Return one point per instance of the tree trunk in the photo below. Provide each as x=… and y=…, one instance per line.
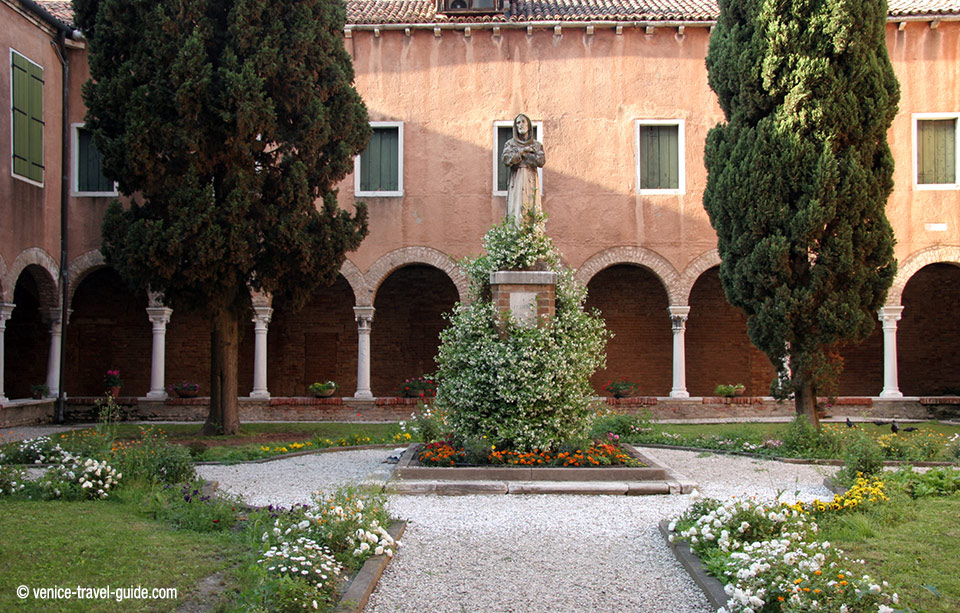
x=805, y=401
x=224, y=417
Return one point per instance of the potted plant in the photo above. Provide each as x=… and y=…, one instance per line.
x=729, y=390
x=621, y=388
x=39, y=390
x=323, y=390
x=418, y=387
x=112, y=382
x=186, y=389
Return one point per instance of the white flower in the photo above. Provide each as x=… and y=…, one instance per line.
x=884, y=609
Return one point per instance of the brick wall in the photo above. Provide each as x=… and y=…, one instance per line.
x=188, y=350
x=407, y=324
x=862, y=373
x=26, y=341
x=317, y=343
x=108, y=330
x=717, y=346
x=634, y=304
x=928, y=335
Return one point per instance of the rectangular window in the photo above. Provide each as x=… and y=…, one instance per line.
x=660, y=156
x=26, y=88
x=502, y=132
x=378, y=171
x=88, y=179
x=935, y=143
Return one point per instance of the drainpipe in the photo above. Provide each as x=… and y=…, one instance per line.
x=60, y=47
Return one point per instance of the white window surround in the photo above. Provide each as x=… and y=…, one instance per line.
x=356, y=164
x=681, y=154
x=915, y=118
x=10, y=64
x=74, y=168
x=508, y=123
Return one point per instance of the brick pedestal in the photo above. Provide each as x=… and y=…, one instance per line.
x=530, y=296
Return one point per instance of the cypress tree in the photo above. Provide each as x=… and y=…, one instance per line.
x=226, y=124
x=798, y=177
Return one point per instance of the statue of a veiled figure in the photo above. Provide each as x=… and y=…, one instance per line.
x=523, y=155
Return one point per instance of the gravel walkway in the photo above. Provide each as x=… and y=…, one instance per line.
x=529, y=553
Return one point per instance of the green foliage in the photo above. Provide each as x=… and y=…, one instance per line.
x=803, y=439
x=729, y=390
x=151, y=458
x=861, y=456
x=521, y=387
x=934, y=482
x=799, y=174
x=624, y=425
x=185, y=506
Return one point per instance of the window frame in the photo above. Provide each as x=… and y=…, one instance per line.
x=75, y=167
x=681, y=156
x=916, y=118
x=508, y=123
x=13, y=173
x=356, y=165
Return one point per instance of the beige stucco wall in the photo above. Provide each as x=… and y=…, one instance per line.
x=588, y=90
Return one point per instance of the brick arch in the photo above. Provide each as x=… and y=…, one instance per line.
x=80, y=267
x=4, y=282
x=358, y=284
x=938, y=254
x=388, y=263
x=47, y=285
x=640, y=256
x=700, y=264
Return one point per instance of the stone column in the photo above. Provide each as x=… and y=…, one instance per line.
x=889, y=316
x=53, y=358
x=6, y=310
x=364, y=317
x=261, y=321
x=678, y=317
x=159, y=316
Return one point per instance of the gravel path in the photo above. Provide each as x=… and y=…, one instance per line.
x=529, y=553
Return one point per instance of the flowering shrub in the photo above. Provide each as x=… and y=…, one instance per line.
x=152, y=458
x=769, y=559
x=307, y=561
x=39, y=450
x=74, y=479
x=186, y=507
x=429, y=424
x=621, y=388
x=112, y=379
x=444, y=453
x=11, y=480
x=418, y=387
x=521, y=387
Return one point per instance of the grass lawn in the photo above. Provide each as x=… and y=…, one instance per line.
x=100, y=544
x=274, y=430
x=777, y=429
x=910, y=544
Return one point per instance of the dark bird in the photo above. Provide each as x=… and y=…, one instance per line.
x=910, y=429
x=850, y=423
x=894, y=427
x=880, y=423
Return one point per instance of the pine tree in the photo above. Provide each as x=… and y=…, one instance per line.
x=227, y=124
x=798, y=178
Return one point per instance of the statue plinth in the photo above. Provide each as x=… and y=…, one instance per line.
x=530, y=296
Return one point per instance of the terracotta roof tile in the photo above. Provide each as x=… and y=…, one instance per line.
x=372, y=12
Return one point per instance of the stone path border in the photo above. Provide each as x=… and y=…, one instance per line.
x=711, y=586
x=655, y=478
x=809, y=462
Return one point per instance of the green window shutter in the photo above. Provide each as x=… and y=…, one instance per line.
x=90, y=165
x=504, y=133
x=35, y=89
x=21, y=115
x=936, y=151
x=659, y=157
x=380, y=163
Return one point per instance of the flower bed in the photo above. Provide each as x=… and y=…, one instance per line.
x=445, y=453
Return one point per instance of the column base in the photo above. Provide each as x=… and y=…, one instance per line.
x=679, y=394
x=363, y=394
x=260, y=395
x=157, y=395
x=894, y=393
x=4, y=399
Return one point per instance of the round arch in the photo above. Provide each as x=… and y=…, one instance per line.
x=656, y=263
x=939, y=254
x=4, y=281
x=398, y=258
x=358, y=284
x=47, y=285
x=691, y=274
x=80, y=267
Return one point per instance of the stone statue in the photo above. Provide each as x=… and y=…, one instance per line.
x=522, y=154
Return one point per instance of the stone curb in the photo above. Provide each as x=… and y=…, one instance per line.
x=358, y=591
x=711, y=586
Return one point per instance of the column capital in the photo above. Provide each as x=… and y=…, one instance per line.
x=262, y=314
x=261, y=299
x=159, y=314
x=52, y=317
x=889, y=315
x=6, y=310
x=678, y=317
x=364, y=316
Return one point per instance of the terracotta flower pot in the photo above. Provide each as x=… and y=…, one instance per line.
x=114, y=391
x=325, y=394
x=187, y=393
